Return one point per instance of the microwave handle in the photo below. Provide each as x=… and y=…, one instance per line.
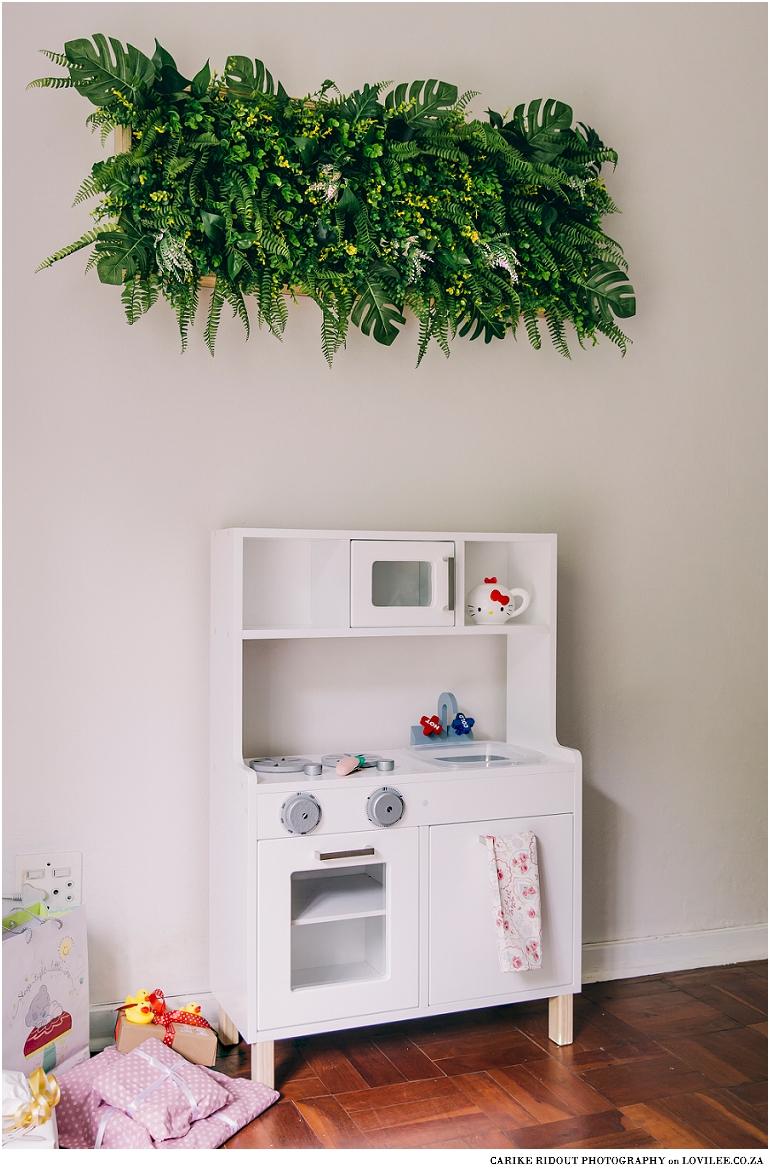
x=445, y=584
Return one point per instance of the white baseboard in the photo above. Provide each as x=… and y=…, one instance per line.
x=608, y=960
x=602, y=961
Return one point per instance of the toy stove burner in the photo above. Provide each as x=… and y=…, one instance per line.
x=279, y=765
x=370, y=759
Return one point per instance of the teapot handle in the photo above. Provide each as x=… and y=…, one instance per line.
x=525, y=597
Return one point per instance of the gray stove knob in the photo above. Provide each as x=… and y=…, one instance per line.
x=384, y=807
x=300, y=813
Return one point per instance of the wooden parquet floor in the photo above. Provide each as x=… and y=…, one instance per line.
x=677, y=1060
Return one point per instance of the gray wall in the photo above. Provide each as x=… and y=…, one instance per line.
x=121, y=456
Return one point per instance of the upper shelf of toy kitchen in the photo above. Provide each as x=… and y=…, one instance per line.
x=311, y=583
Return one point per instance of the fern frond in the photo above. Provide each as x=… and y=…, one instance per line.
x=234, y=297
x=403, y=150
x=51, y=83
x=244, y=200
x=215, y=313
x=533, y=333
x=177, y=166
x=467, y=97
x=57, y=58
x=615, y=334
x=363, y=231
x=85, y=240
x=556, y=330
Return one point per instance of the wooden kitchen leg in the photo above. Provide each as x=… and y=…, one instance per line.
x=263, y=1063
x=227, y=1030
x=560, y=1019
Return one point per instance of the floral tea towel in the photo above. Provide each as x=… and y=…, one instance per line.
x=515, y=884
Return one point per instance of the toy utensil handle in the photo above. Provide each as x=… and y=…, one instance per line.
x=525, y=596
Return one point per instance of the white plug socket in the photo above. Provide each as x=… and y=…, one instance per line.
x=57, y=875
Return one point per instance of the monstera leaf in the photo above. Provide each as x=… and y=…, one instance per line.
x=363, y=103
x=430, y=98
x=96, y=75
x=544, y=133
x=375, y=310
x=607, y=291
x=122, y=253
x=247, y=80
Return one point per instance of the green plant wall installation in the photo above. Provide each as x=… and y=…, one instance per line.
x=369, y=204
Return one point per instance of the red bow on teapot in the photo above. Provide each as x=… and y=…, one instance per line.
x=496, y=597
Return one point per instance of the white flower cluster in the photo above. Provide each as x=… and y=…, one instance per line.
x=415, y=258
x=501, y=256
x=172, y=254
x=329, y=183
x=579, y=185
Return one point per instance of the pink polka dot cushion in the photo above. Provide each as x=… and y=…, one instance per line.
x=156, y=1087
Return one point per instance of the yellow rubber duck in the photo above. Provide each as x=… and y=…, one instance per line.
x=140, y=1013
x=192, y=1008
x=139, y=996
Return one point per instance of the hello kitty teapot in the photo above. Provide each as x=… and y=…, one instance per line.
x=492, y=603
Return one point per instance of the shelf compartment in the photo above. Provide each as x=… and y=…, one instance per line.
x=296, y=583
x=513, y=563
x=340, y=894
x=337, y=951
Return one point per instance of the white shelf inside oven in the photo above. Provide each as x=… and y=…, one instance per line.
x=330, y=898
x=324, y=975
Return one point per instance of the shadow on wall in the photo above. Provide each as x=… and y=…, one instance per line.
x=602, y=873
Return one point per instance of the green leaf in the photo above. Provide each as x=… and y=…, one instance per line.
x=97, y=73
x=200, y=83
x=375, y=311
x=213, y=225
x=429, y=97
x=607, y=291
x=548, y=216
x=234, y=265
x=307, y=147
x=121, y=254
x=348, y=202
x=362, y=103
x=168, y=78
x=543, y=134
x=247, y=80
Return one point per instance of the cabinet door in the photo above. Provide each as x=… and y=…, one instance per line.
x=463, y=945
x=336, y=937
x=401, y=584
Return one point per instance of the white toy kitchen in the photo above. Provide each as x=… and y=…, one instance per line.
x=381, y=704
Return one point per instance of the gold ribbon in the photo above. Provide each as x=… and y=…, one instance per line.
x=45, y=1096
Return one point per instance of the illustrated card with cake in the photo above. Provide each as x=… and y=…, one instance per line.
x=45, y=991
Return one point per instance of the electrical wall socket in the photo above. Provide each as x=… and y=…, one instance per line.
x=58, y=874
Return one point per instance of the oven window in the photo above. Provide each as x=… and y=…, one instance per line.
x=401, y=584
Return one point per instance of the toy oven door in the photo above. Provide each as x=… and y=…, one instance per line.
x=401, y=584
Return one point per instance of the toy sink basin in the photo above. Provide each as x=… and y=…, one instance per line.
x=475, y=755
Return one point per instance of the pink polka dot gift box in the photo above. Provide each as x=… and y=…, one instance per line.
x=153, y=1098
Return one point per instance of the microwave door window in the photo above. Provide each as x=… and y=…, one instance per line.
x=401, y=584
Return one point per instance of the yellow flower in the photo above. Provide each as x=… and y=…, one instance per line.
x=351, y=249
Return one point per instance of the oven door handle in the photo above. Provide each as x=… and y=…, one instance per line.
x=344, y=854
